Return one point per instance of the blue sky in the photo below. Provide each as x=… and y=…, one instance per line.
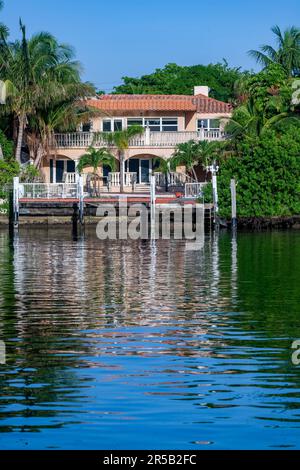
x=118, y=37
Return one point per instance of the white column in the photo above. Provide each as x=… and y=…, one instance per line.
x=54, y=170
x=76, y=172
x=147, y=136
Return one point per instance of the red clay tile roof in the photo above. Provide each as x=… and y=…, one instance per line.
x=210, y=105
x=198, y=103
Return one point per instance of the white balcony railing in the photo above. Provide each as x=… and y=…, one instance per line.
x=148, y=139
x=129, y=179
x=70, y=178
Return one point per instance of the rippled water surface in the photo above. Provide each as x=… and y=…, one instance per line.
x=127, y=345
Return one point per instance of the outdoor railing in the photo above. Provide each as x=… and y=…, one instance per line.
x=194, y=190
x=129, y=179
x=148, y=139
x=173, y=179
x=48, y=191
x=70, y=178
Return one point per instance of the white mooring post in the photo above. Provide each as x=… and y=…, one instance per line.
x=233, y=204
x=81, y=199
x=16, y=204
x=214, y=169
x=152, y=205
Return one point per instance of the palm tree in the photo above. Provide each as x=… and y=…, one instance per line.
x=3, y=28
x=59, y=116
x=194, y=153
x=208, y=152
x=35, y=72
x=164, y=168
x=186, y=154
x=250, y=120
x=287, y=53
x=95, y=158
x=121, y=140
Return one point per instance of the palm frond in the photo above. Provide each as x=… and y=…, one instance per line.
x=260, y=57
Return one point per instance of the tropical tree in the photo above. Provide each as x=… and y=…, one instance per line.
x=163, y=166
x=3, y=28
x=95, y=158
x=120, y=140
x=62, y=115
x=35, y=72
x=180, y=80
x=287, y=53
x=192, y=153
x=253, y=118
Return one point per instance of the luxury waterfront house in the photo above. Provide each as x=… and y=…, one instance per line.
x=167, y=121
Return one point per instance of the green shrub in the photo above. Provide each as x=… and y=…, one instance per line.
x=7, y=147
x=208, y=193
x=267, y=176
x=29, y=174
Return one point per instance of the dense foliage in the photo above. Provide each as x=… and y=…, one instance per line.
x=7, y=146
x=176, y=79
x=267, y=176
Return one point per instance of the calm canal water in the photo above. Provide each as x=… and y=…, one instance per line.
x=128, y=345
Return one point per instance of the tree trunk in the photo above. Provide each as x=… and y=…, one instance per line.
x=194, y=174
x=38, y=159
x=22, y=118
x=167, y=182
x=121, y=159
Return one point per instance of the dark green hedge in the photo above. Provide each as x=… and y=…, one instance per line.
x=267, y=173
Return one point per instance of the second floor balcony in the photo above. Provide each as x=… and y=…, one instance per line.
x=148, y=139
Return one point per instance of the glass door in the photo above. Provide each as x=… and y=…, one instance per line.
x=60, y=169
x=145, y=171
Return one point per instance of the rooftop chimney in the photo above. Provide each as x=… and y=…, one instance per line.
x=201, y=90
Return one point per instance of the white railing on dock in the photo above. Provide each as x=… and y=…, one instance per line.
x=148, y=139
x=194, y=190
x=48, y=191
x=174, y=179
